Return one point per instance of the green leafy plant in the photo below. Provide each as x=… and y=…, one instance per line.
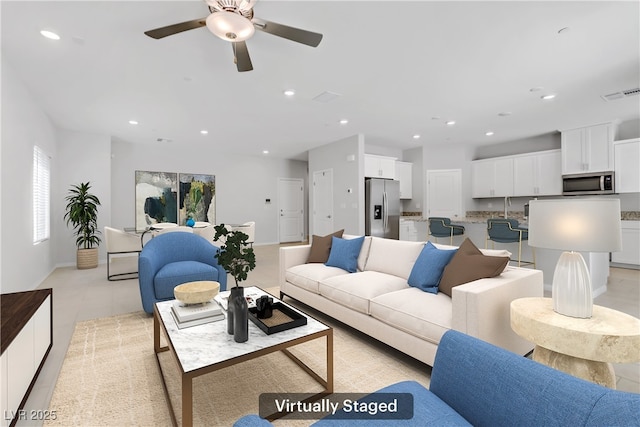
x=82, y=213
x=235, y=256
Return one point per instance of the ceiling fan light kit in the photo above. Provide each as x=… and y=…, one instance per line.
x=233, y=21
x=230, y=26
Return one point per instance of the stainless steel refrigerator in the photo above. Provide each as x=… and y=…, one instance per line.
x=382, y=208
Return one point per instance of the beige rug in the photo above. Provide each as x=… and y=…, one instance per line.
x=110, y=377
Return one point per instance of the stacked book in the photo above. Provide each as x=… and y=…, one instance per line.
x=187, y=315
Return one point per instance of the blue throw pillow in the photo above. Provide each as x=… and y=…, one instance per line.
x=427, y=271
x=344, y=253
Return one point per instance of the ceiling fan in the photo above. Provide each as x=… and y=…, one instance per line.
x=233, y=21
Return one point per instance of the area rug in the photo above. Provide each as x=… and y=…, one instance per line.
x=110, y=376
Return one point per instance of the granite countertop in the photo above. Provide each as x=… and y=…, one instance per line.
x=480, y=217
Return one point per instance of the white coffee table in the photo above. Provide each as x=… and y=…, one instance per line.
x=203, y=349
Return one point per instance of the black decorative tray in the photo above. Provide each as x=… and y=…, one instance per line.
x=283, y=318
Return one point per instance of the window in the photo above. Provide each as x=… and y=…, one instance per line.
x=41, y=195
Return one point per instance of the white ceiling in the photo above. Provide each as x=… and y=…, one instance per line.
x=396, y=64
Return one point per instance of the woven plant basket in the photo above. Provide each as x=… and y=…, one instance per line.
x=87, y=258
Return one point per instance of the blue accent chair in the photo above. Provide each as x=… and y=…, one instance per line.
x=171, y=259
x=508, y=231
x=476, y=383
x=442, y=227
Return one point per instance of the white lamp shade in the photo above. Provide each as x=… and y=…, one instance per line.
x=586, y=225
x=230, y=26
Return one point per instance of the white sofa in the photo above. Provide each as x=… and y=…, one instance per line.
x=378, y=301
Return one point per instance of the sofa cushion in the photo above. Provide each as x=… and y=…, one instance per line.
x=422, y=314
x=427, y=270
x=469, y=264
x=355, y=290
x=364, y=251
x=321, y=246
x=344, y=253
x=176, y=273
x=395, y=257
x=307, y=276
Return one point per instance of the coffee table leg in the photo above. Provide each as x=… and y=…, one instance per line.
x=187, y=401
x=330, y=361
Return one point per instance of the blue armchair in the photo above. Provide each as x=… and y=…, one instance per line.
x=170, y=259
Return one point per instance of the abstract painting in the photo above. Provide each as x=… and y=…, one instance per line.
x=156, y=198
x=197, y=198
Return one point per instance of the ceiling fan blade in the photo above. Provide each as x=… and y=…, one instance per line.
x=170, y=30
x=241, y=56
x=294, y=34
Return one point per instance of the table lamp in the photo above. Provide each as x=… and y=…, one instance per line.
x=587, y=225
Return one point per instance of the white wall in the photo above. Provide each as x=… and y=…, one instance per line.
x=24, y=124
x=348, y=207
x=82, y=157
x=243, y=183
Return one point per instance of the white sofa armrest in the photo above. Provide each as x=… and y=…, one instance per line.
x=291, y=256
x=482, y=308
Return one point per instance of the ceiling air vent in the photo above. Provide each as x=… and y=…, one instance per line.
x=621, y=94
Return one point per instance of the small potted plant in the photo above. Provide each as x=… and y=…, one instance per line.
x=82, y=213
x=238, y=259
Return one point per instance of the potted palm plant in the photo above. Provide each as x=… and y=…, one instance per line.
x=82, y=213
x=238, y=259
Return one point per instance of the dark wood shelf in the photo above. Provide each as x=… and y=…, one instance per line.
x=16, y=309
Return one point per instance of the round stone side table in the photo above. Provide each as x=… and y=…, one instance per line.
x=584, y=348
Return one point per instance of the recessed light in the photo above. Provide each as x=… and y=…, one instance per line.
x=204, y=131
x=133, y=122
x=50, y=35
x=450, y=122
x=289, y=92
x=549, y=96
x=344, y=121
x=489, y=133
x=416, y=136
x=265, y=152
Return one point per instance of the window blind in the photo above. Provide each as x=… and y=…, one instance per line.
x=41, y=195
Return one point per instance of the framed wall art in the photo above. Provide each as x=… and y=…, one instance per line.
x=156, y=198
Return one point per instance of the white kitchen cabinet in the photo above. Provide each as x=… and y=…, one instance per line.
x=379, y=166
x=408, y=230
x=492, y=177
x=538, y=174
x=630, y=253
x=588, y=149
x=626, y=158
x=403, y=174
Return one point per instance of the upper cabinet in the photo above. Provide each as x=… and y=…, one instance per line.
x=588, y=149
x=379, y=166
x=492, y=177
x=403, y=174
x=538, y=174
x=531, y=174
x=627, y=173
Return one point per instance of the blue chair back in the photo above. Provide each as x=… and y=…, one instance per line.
x=505, y=230
x=438, y=226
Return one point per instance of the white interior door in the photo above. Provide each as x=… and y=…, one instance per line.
x=291, y=210
x=444, y=193
x=323, y=202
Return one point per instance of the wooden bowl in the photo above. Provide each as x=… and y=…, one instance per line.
x=196, y=292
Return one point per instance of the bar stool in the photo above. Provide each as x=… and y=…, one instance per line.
x=508, y=230
x=442, y=227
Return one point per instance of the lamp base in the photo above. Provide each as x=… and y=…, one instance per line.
x=571, y=290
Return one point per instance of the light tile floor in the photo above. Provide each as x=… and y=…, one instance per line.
x=86, y=294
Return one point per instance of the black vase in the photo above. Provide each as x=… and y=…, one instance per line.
x=240, y=316
x=235, y=291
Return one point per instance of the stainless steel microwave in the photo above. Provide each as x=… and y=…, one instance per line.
x=588, y=183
